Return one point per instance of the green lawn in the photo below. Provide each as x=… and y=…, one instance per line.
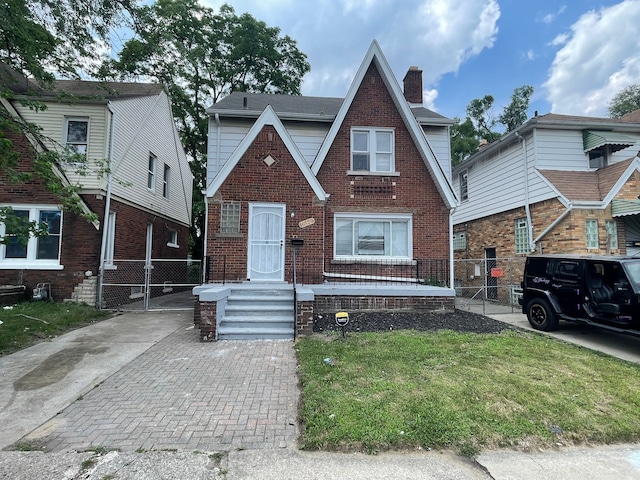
x=31, y=322
x=464, y=392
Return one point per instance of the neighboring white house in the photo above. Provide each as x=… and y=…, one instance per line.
x=135, y=169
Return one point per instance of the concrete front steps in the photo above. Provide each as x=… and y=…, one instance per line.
x=258, y=311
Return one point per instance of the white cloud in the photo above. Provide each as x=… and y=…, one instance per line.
x=559, y=40
x=600, y=57
x=429, y=96
x=551, y=17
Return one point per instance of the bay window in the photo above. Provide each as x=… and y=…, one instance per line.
x=373, y=236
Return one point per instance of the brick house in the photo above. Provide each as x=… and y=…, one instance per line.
x=360, y=185
x=147, y=196
x=557, y=184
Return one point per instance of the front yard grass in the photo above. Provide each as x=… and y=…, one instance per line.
x=461, y=391
x=28, y=323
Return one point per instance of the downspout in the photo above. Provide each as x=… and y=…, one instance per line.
x=532, y=245
x=553, y=224
x=107, y=206
x=451, y=266
x=218, y=134
x=205, y=234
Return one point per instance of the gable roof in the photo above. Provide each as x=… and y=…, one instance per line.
x=297, y=107
x=268, y=117
x=374, y=54
x=598, y=186
x=612, y=126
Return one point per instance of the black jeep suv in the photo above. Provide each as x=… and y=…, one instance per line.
x=598, y=290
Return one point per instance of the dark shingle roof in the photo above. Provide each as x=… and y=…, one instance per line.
x=294, y=106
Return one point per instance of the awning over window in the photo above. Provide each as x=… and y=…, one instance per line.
x=620, y=208
x=597, y=138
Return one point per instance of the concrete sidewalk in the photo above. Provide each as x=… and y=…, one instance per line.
x=140, y=397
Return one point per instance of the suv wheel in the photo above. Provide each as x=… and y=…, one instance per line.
x=541, y=316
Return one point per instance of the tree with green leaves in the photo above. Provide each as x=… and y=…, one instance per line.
x=39, y=40
x=625, y=101
x=202, y=56
x=480, y=123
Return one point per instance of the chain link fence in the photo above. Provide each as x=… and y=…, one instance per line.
x=489, y=285
x=158, y=284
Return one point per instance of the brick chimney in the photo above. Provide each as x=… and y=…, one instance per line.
x=413, y=85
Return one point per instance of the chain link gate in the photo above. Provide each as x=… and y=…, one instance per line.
x=159, y=284
x=489, y=285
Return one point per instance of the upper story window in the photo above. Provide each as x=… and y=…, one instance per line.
x=76, y=135
x=372, y=150
x=464, y=190
x=373, y=236
x=36, y=252
x=598, y=157
x=165, y=181
x=151, y=172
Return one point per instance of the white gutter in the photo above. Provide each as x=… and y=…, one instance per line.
x=532, y=244
x=205, y=233
x=107, y=205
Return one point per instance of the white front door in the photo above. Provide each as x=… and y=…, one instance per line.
x=266, y=241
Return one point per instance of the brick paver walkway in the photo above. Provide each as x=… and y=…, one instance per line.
x=186, y=395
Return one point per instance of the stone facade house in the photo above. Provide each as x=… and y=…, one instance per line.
x=333, y=195
x=133, y=171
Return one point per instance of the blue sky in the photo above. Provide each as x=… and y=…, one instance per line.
x=577, y=54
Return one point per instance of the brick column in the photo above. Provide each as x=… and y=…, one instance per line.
x=207, y=320
x=304, y=320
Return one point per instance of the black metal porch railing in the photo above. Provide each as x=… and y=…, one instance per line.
x=419, y=272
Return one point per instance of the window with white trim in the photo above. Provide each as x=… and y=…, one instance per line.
x=372, y=236
x=460, y=241
x=464, y=191
x=611, y=228
x=591, y=230
x=172, y=238
x=230, y=217
x=372, y=150
x=37, y=252
x=521, y=229
x=151, y=172
x=165, y=181
x=76, y=135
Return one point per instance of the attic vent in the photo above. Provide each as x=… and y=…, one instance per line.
x=269, y=160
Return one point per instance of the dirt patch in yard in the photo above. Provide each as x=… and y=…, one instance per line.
x=458, y=320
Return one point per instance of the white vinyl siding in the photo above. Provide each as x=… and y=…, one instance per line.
x=39, y=252
x=372, y=236
x=438, y=138
x=591, y=230
x=144, y=125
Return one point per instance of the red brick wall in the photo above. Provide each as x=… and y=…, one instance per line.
x=253, y=181
x=80, y=250
x=414, y=190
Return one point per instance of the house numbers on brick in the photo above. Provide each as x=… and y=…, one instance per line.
x=307, y=222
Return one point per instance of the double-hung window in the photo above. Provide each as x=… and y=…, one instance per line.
x=372, y=150
x=32, y=252
x=151, y=172
x=76, y=135
x=165, y=181
x=373, y=236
